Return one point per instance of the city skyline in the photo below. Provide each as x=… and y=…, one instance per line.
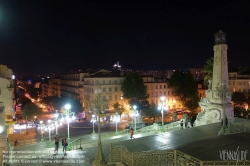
x=54, y=36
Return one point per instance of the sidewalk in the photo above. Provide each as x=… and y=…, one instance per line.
x=201, y=142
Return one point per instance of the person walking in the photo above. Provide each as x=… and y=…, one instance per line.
x=131, y=133
x=16, y=142
x=64, y=144
x=181, y=124
x=57, y=143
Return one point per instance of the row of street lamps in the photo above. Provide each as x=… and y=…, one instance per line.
x=69, y=115
x=53, y=124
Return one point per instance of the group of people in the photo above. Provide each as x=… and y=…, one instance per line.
x=184, y=122
x=64, y=144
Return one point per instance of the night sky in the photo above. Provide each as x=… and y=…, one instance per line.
x=46, y=36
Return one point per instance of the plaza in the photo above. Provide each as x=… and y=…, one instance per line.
x=201, y=143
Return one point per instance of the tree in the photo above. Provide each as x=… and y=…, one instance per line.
x=152, y=112
x=135, y=91
x=51, y=100
x=185, y=89
x=29, y=111
x=238, y=99
x=59, y=102
x=119, y=108
x=208, y=70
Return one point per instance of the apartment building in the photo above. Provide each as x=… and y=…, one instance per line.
x=157, y=87
x=54, y=87
x=109, y=82
x=6, y=99
x=239, y=82
x=81, y=86
x=70, y=85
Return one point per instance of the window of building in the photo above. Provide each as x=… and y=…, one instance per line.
x=164, y=93
x=115, y=97
x=110, y=89
x=168, y=92
x=164, y=86
x=104, y=89
x=103, y=82
x=233, y=82
x=156, y=94
x=115, y=81
x=109, y=82
x=156, y=87
x=116, y=89
x=160, y=86
x=110, y=97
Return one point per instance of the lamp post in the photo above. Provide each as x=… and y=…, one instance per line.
x=99, y=102
x=135, y=114
x=68, y=113
x=162, y=107
x=41, y=125
x=93, y=119
x=223, y=93
x=116, y=119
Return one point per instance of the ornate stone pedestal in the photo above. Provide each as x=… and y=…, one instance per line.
x=212, y=108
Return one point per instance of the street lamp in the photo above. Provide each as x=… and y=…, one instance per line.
x=68, y=113
x=135, y=114
x=162, y=107
x=116, y=119
x=93, y=119
x=223, y=93
x=41, y=125
x=99, y=102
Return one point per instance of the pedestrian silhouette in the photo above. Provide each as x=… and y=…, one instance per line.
x=56, y=143
x=181, y=124
x=131, y=133
x=64, y=144
x=16, y=142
